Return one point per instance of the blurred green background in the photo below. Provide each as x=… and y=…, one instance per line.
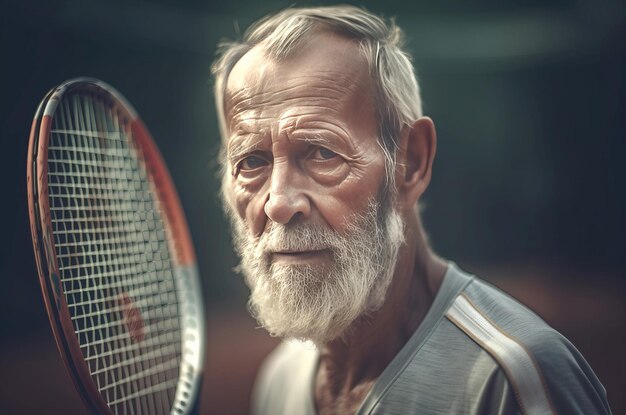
x=529, y=100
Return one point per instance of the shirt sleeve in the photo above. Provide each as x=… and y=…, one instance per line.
x=572, y=385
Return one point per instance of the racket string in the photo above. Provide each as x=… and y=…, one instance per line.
x=113, y=257
x=138, y=366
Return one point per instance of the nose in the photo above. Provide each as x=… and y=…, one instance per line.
x=287, y=199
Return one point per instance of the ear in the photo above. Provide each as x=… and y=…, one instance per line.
x=416, y=153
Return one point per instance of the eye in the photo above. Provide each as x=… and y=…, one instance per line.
x=252, y=162
x=322, y=153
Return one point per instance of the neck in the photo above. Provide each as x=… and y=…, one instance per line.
x=354, y=362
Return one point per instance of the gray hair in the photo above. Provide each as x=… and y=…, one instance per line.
x=397, y=100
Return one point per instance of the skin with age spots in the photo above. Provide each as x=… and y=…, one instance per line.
x=303, y=145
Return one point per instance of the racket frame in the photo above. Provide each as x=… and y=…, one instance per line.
x=179, y=243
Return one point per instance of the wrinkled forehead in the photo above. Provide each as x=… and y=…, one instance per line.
x=324, y=66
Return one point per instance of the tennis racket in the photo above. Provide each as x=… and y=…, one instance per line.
x=114, y=255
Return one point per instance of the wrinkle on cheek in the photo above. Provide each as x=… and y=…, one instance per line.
x=255, y=215
x=361, y=168
x=241, y=200
x=250, y=208
x=356, y=176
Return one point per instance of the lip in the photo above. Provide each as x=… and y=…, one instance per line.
x=300, y=257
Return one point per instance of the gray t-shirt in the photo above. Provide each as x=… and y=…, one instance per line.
x=478, y=351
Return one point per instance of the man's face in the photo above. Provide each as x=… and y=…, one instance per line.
x=305, y=174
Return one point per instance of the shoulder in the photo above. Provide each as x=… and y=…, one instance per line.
x=284, y=376
x=545, y=371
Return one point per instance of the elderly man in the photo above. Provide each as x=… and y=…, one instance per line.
x=325, y=157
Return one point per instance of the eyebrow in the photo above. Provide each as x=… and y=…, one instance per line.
x=329, y=135
x=310, y=136
x=243, y=144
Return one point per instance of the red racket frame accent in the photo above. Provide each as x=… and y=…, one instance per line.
x=176, y=222
x=41, y=228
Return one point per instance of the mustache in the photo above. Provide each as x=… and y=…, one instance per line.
x=300, y=237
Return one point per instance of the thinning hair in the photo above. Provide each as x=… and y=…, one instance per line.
x=397, y=99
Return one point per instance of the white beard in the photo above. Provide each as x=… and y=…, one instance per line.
x=320, y=303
